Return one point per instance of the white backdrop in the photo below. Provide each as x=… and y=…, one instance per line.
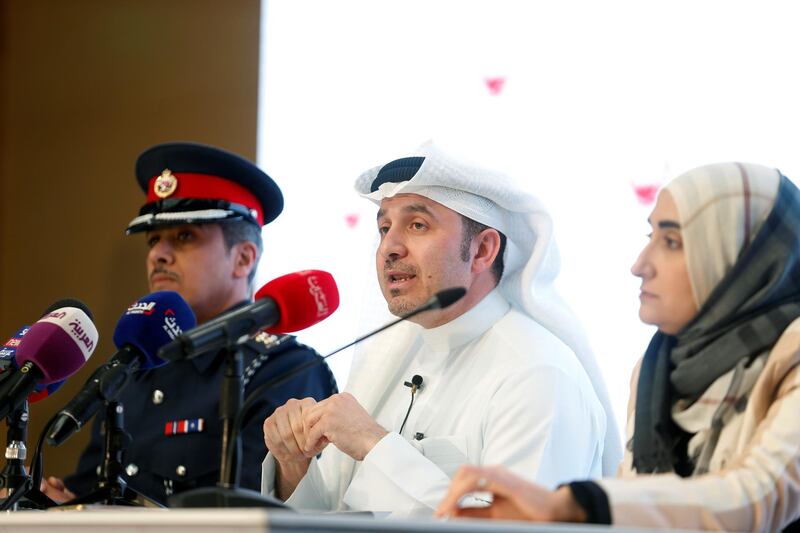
x=590, y=105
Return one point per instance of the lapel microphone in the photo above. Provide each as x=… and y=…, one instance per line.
x=415, y=384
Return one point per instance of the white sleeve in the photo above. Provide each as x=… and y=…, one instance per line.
x=395, y=476
x=311, y=493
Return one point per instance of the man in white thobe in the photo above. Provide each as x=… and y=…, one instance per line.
x=503, y=376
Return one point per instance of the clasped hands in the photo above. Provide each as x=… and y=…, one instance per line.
x=301, y=429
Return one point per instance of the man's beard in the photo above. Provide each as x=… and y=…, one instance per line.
x=400, y=306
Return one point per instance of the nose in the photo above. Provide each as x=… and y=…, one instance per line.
x=643, y=267
x=392, y=246
x=161, y=253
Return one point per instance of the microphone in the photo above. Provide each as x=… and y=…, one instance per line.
x=415, y=384
x=145, y=326
x=52, y=349
x=288, y=303
x=440, y=300
x=8, y=367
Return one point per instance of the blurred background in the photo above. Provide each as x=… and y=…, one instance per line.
x=86, y=86
x=591, y=106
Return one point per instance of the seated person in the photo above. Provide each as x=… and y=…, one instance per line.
x=506, y=374
x=202, y=227
x=714, y=438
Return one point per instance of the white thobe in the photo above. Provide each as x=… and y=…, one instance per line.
x=498, y=389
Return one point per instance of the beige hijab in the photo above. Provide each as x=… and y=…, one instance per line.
x=720, y=206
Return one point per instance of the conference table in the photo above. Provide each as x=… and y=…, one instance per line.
x=140, y=520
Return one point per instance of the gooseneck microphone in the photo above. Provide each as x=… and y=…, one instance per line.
x=440, y=300
x=288, y=303
x=145, y=326
x=53, y=349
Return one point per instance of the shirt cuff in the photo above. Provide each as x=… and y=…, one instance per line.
x=594, y=501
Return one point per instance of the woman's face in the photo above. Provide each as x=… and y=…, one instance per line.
x=666, y=299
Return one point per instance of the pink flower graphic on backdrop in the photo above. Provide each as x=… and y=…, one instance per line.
x=351, y=219
x=646, y=193
x=495, y=85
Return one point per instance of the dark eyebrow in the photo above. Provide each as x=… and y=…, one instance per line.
x=413, y=208
x=669, y=224
x=665, y=224
x=418, y=208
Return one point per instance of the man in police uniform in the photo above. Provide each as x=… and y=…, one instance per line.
x=203, y=217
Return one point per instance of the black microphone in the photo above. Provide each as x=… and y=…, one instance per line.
x=440, y=300
x=415, y=383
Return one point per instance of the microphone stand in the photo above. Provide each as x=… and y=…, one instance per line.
x=14, y=477
x=111, y=488
x=227, y=493
x=230, y=400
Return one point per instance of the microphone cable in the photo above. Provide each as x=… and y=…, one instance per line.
x=415, y=384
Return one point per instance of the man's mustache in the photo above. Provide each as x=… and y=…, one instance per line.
x=163, y=271
x=399, y=267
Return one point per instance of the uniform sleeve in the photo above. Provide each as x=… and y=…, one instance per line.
x=756, y=492
x=539, y=424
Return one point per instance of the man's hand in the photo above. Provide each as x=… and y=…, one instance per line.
x=342, y=421
x=512, y=497
x=55, y=489
x=285, y=437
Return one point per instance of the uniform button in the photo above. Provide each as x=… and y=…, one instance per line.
x=131, y=469
x=158, y=396
x=181, y=470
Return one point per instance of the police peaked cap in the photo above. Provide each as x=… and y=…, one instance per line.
x=188, y=183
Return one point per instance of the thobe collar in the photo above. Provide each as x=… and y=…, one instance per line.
x=203, y=361
x=466, y=327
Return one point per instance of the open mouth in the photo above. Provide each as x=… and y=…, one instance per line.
x=398, y=279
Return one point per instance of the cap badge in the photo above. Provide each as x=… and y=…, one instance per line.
x=165, y=184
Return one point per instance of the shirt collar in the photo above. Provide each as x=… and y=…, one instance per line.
x=468, y=326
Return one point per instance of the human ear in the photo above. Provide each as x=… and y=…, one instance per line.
x=246, y=257
x=488, y=246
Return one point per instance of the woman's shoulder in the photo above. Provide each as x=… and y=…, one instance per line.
x=784, y=358
x=787, y=347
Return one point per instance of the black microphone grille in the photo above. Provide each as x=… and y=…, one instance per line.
x=448, y=297
x=69, y=302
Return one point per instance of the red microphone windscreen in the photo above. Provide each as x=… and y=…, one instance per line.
x=303, y=299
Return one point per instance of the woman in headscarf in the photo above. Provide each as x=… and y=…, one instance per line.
x=714, y=412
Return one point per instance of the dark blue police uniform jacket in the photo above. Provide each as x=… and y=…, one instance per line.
x=170, y=453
